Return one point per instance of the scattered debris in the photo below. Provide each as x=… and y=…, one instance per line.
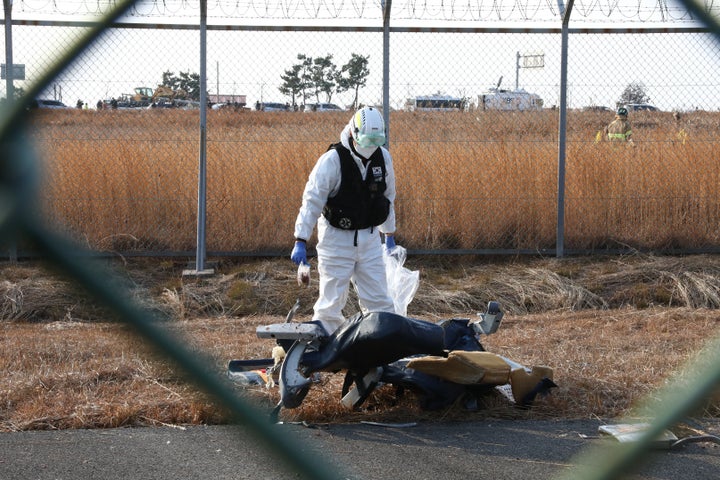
x=632, y=432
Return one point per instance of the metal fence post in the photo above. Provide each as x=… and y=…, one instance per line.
x=10, y=88
x=202, y=157
x=562, y=134
x=387, y=5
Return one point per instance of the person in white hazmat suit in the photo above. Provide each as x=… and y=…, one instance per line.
x=350, y=195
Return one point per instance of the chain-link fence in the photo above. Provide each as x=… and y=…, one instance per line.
x=474, y=125
x=123, y=174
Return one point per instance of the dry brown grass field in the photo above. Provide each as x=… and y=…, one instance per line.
x=127, y=180
x=614, y=329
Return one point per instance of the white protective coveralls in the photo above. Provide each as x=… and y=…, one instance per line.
x=345, y=255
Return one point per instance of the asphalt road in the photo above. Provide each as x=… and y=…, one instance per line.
x=496, y=449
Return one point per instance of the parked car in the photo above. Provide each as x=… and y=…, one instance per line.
x=323, y=107
x=44, y=103
x=597, y=108
x=272, y=107
x=638, y=107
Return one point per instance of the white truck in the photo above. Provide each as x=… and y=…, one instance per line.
x=496, y=98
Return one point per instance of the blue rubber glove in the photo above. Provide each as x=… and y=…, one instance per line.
x=389, y=242
x=299, y=253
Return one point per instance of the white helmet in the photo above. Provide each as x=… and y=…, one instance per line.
x=368, y=129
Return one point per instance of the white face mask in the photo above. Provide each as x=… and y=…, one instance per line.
x=365, y=151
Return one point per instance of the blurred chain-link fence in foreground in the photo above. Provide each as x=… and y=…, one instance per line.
x=124, y=174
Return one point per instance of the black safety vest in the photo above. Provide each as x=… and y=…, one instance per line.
x=359, y=203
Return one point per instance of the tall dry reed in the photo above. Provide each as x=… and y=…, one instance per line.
x=129, y=179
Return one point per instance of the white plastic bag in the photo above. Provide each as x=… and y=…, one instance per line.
x=303, y=274
x=402, y=282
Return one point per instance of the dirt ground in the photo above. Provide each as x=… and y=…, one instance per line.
x=612, y=329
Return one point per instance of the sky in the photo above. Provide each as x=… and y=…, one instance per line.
x=680, y=71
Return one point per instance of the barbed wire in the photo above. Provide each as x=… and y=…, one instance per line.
x=431, y=10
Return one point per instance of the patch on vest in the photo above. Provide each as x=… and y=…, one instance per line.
x=377, y=173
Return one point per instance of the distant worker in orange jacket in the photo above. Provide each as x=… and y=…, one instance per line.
x=619, y=129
